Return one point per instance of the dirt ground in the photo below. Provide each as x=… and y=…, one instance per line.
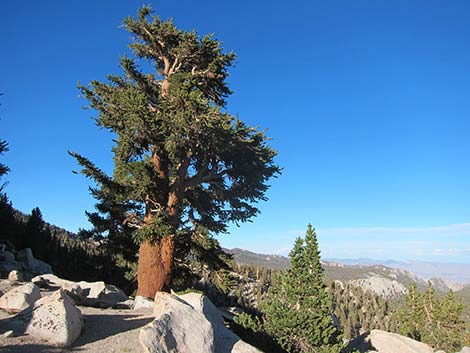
x=105, y=330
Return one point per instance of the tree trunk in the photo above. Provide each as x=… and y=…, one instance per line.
x=155, y=261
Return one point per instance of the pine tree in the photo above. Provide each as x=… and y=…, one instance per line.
x=113, y=217
x=451, y=330
x=36, y=236
x=206, y=261
x=297, y=310
x=11, y=229
x=180, y=160
x=426, y=318
x=3, y=168
x=411, y=315
x=429, y=304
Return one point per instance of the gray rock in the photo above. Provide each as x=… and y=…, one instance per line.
x=8, y=334
x=142, y=302
x=177, y=328
x=25, y=256
x=95, y=294
x=56, y=320
x=225, y=340
x=15, y=276
x=386, y=342
x=42, y=282
x=52, y=281
x=7, y=259
x=20, y=298
x=41, y=267
x=127, y=304
x=202, y=304
x=103, y=292
x=31, y=264
x=465, y=350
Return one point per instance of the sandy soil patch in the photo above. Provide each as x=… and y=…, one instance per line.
x=106, y=330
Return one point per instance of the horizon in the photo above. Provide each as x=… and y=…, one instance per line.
x=366, y=103
x=379, y=262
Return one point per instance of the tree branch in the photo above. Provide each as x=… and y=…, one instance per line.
x=166, y=71
x=158, y=165
x=175, y=66
x=203, y=176
x=181, y=170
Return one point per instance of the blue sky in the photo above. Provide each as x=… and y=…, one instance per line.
x=367, y=103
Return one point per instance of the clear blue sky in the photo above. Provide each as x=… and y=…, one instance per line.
x=367, y=102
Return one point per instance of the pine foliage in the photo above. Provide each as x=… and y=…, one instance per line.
x=359, y=311
x=182, y=163
x=3, y=168
x=180, y=160
x=297, y=310
x=438, y=322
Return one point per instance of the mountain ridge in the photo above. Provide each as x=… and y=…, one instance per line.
x=368, y=275
x=455, y=275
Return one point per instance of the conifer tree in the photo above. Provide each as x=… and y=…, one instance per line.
x=439, y=323
x=297, y=310
x=410, y=316
x=428, y=305
x=452, y=332
x=180, y=160
x=35, y=237
x=11, y=229
x=3, y=168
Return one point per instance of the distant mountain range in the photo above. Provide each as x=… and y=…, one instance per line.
x=380, y=279
x=453, y=274
x=246, y=257
x=386, y=278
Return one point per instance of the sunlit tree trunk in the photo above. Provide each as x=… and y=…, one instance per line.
x=156, y=259
x=155, y=262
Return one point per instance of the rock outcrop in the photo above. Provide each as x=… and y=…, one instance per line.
x=102, y=291
x=386, y=342
x=142, y=302
x=31, y=264
x=96, y=294
x=202, y=304
x=56, y=319
x=385, y=287
x=20, y=298
x=7, y=258
x=15, y=276
x=22, y=260
x=225, y=340
x=177, y=328
x=50, y=281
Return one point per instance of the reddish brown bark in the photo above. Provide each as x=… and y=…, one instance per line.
x=172, y=207
x=155, y=259
x=154, y=272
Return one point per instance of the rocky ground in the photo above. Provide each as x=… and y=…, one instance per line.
x=40, y=312
x=44, y=313
x=171, y=322
x=105, y=330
